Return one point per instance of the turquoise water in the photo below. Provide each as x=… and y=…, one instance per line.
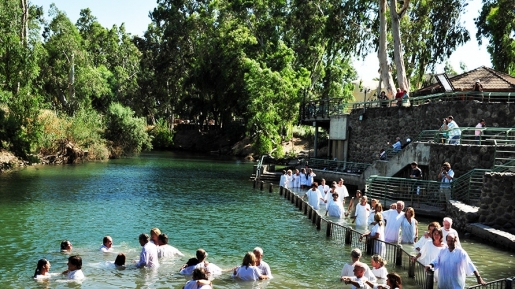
x=198, y=202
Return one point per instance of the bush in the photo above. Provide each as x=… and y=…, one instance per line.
x=125, y=132
x=162, y=137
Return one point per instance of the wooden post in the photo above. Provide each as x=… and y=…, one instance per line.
x=255, y=183
x=281, y=189
x=301, y=203
x=430, y=279
x=319, y=222
x=261, y=185
x=411, y=268
x=348, y=237
x=369, y=245
x=398, y=257
x=310, y=211
x=508, y=283
x=305, y=208
x=314, y=217
x=329, y=229
x=271, y=188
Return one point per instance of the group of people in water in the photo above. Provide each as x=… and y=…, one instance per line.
x=154, y=247
x=396, y=225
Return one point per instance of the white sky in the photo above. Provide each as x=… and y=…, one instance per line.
x=134, y=13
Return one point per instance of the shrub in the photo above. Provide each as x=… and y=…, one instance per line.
x=125, y=132
x=162, y=136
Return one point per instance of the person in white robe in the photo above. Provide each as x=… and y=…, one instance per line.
x=313, y=196
x=248, y=271
x=324, y=189
x=262, y=265
x=393, y=219
x=348, y=268
x=334, y=208
x=377, y=233
x=148, y=256
x=409, y=227
x=456, y=264
x=164, y=250
x=362, y=212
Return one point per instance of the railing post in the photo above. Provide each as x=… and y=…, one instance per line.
x=369, y=245
x=261, y=185
x=281, y=189
x=348, y=237
x=287, y=195
x=255, y=183
x=305, y=208
x=329, y=229
x=314, y=216
x=271, y=188
x=430, y=279
x=319, y=222
x=411, y=268
x=508, y=283
x=293, y=198
x=301, y=203
x=398, y=257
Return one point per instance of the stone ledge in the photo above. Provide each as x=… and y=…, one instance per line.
x=490, y=234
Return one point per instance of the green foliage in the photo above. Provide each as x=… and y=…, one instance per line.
x=126, y=133
x=497, y=23
x=162, y=136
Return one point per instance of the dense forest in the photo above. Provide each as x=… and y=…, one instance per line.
x=244, y=66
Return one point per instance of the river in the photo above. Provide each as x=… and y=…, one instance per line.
x=199, y=202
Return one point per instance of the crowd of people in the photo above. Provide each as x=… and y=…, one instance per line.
x=396, y=225
x=155, y=247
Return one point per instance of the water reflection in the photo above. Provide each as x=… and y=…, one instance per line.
x=199, y=203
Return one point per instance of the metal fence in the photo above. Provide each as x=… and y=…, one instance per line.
x=393, y=253
x=338, y=166
x=471, y=135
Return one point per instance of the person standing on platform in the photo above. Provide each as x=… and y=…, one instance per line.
x=397, y=146
x=295, y=180
x=303, y=179
x=454, y=265
x=454, y=130
x=310, y=177
x=478, y=132
x=393, y=219
x=282, y=180
x=446, y=176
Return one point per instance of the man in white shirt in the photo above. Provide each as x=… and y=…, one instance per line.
x=341, y=189
x=456, y=264
x=166, y=251
x=107, y=244
x=262, y=265
x=358, y=280
x=148, y=256
x=348, y=268
x=393, y=219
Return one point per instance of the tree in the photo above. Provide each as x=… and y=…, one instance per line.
x=497, y=23
x=396, y=16
x=384, y=67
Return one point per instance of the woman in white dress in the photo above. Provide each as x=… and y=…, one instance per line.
x=409, y=227
x=377, y=233
x=430, y=250
x=199, y=280
x=248, y=271
x=334, y=208
x=303, y=179
x=362, y=212
x=310, y=177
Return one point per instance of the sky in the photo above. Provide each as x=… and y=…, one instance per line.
x=134, y=13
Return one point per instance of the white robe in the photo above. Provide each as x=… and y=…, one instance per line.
x=456, y=265
x=409, y=231
x=379, y=247
x=250, y=273
x=335, y=209
x=362, y=213
x=393, y=225
x=313, y=198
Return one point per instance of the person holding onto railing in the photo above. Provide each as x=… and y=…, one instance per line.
x=456, y=264
x=377, y=232
x=454, y=130
x=397, y=146
x=383, y=99
x=416, y=173
x=446, y=176
x=481, y=124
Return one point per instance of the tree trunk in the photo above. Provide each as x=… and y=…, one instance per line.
x=384, y=68
x=24, y=30
x=397, y=43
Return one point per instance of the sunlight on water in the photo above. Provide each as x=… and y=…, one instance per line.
x=198, y=202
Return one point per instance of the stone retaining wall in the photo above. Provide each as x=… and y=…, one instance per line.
x=381, y=125
x=497, y=208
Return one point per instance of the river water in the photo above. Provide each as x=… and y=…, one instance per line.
x=199, y=202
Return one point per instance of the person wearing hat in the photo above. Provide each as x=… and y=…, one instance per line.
x=358, y=280
x=348, y=268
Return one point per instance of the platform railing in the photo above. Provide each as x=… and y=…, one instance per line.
x=337, y=166
x=393, y=253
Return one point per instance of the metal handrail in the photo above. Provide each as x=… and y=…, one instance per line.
x=488, y=135
x=338, y=166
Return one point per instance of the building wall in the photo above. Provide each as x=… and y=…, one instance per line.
x=381, y=125
x=497, y=208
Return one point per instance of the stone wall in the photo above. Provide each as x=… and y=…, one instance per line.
x=497, y=208
x=381, y=125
